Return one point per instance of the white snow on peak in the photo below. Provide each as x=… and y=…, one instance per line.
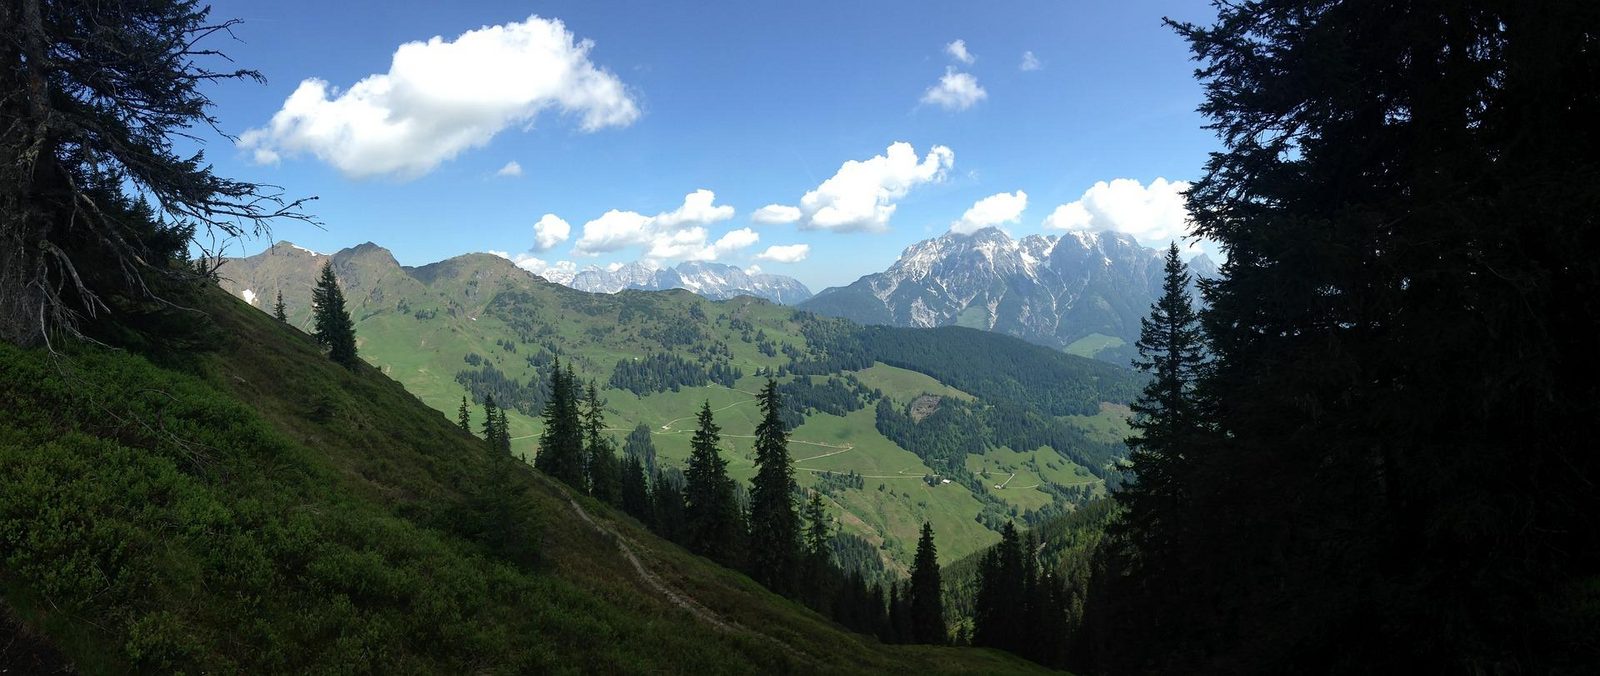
x=297, y=246
x=249, y=296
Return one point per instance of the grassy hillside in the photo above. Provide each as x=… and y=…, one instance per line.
x=478, y=325
x=260, y=509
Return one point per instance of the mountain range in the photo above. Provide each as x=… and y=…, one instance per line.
x=1084, y=292
x=717, y=281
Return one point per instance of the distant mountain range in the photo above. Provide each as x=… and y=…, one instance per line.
x=716, y=281
x=1082, y=292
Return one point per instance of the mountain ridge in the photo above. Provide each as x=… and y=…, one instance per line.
x=1052, y=290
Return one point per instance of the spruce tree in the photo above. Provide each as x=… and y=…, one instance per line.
x=927, y=596
x=100, y=202
x=277, y=309
x=1398, y=474
x=640, y=445
x=667, y=508
x=503, y=433
x=635, y=490
x=334, y=330
x=561, y=450
x=774, y=526
x=491, y=421
x=1166, y=416
x=603, y=479
x=710, y=512
x=818, y=574
x=464, y=416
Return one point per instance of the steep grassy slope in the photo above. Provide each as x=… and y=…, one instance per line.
x=480, y=315
x=260, y=509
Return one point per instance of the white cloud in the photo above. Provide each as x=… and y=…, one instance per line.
x=735, y=240
x=1030, y=62
x=775, y=214
x=785, y=253
x=958, y=51
x=955, y=91
x=753, y=269
x=441, y=97
x=699, y=208
x=679, y=234
x=861, y=195
x=1154, y=214
x=550, y=231
x=512, y=168
x=992, y=210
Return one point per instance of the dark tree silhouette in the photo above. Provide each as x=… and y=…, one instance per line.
x=96, y=206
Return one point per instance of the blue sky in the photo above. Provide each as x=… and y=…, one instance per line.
x=760, y=103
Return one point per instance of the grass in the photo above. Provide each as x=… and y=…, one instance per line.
x=1093, y=344
x=260, y=509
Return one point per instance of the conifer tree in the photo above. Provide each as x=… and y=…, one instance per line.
x=464, y=416
x=635, y=491
x=334, y=329
x=926, y=592
x=503, y=433
x=818, y=573
x=640, y=445
x=819, y=529
x=603, y=479
x=277, y=309
x=1398, y=471
x=491, y=421
x=774, y=526
x=710, y=513
x=561, y=450
x=1166, y=415
x=667, y=508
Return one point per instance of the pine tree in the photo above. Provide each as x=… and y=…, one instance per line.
x=464, y=416
x=603, y=479
x=99, y=202
x=561, y=450
x=1398, y=472
x=667, y=508
x=503, y=433
x=277, y=309
x=816, y=557
x=1166, y=416
x=774, y=526
x=640, y=445
x=334, y=330
x=927, y=595
x=491, y=421
x=710, y=512
x=635, y=490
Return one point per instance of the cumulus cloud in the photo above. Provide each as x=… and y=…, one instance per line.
x=776, y=214
x=958, y=51
x=862, y=194
x=785, y=253
x=1005, y=207
x=1030, y=62
x=442, y=97
x=679, y=234
x=955, y=91
x=512, y=168
x=550, y=231
x=1152, y=214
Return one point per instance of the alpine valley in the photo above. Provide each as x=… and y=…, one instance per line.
x=963, y=428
